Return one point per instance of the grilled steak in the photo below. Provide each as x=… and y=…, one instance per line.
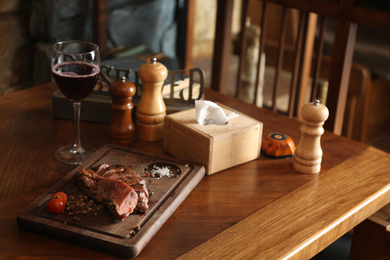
x=131, y=178
x=120, y=188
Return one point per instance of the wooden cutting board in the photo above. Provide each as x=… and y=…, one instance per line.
x=97, y=228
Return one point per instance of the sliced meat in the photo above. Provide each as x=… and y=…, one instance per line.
x=119, y=197
x=122, y=198
x=120, y=188
x=132, y=178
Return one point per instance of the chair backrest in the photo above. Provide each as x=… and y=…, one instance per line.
x=299, y=53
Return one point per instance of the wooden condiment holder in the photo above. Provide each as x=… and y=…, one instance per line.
x=121, y=128
x=151, y=108
x=308, y=153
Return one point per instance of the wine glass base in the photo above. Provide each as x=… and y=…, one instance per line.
x=69, y=155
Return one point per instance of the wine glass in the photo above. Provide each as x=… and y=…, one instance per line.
x=75, y=66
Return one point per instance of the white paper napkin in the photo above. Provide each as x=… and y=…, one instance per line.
x=208, y=112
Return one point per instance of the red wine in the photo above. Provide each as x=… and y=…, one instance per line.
x=76, y=79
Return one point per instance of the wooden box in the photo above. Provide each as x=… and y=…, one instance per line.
x=217, y=147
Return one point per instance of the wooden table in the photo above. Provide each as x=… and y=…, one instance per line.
x=261, y=209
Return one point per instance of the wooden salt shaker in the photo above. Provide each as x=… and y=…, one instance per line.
x=151, y=108
x=121, y=128
x=308, y=153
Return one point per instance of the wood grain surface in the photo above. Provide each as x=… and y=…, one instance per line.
x=101, y=230
x=231, y=200
x=217, y=147
x=332, y=201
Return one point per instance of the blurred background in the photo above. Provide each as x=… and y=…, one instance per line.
x=179, y=31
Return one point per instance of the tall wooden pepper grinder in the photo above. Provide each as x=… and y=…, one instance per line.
x=308, y=154
x=151, y=108
x=121, y=128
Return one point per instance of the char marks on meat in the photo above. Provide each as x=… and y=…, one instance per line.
x=132, y=178
x=120, y=188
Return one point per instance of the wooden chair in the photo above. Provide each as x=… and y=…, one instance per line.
x=371, y=238
x=305, y=61
x=302, y=60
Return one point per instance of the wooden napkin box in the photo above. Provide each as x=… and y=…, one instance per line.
x=217, y=147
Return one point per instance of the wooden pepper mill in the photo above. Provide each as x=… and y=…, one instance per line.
x=121, y=128
x=308, y=153
x=151, y=108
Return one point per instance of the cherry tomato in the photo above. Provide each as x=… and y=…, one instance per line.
x=57, y=203
x=60, y=195
x=55, y=206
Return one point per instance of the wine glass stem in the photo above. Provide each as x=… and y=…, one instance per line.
x=77, y=148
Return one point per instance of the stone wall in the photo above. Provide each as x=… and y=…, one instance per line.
x=16, y=46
